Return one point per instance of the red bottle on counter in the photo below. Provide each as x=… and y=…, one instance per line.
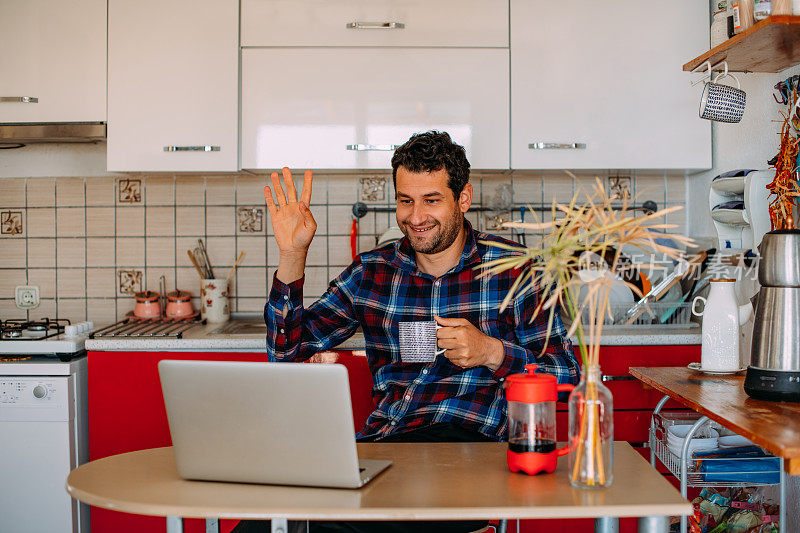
x=532, y=422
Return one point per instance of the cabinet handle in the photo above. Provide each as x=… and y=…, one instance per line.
x=202, y=148
x=557, y=146
x=373, y=147
x=375, y=25
x=617, y=378
x=20, y=99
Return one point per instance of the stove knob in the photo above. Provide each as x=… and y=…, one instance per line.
x=39, y=391
x=71, y=330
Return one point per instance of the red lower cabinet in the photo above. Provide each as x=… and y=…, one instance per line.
x=126, y=413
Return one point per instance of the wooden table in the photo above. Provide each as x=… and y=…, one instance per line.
x=427, y=481
x=775, y=426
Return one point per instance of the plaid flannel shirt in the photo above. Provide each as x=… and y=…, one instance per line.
x=382, y=288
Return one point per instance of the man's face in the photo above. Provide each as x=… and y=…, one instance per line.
x=427, y=213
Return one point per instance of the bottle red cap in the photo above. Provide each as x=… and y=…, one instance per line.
x=532, y=387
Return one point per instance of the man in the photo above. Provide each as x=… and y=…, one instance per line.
x=429, y=274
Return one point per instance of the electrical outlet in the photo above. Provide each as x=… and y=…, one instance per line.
x=27, y=296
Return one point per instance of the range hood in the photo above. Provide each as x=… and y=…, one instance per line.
x=52, y=132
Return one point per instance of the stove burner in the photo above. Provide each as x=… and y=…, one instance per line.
x=15, y=328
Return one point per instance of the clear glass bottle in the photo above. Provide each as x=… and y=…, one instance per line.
x=591, y=432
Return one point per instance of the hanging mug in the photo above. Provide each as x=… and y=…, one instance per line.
x=723, y=103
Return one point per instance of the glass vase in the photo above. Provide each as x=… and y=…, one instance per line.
x=591, y=432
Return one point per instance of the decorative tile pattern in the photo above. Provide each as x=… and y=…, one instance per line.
x=130, y=281
x=11, y=223
x=130, y=191
x=619, y=186
x=251, y=219
x=373, y=189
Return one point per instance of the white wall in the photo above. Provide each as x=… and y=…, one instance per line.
x=748, y=144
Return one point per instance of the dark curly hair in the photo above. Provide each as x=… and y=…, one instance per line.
x=431, y=151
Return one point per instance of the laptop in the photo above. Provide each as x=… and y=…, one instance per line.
x=273, y=423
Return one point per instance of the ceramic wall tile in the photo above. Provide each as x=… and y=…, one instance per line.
x=250, y=305
x=190, y=190
x=152, y=279
x=159, y=221
x=12, y=223
x=100, y=222
x=188, y=280
x=190, y=221
x=12, y=192
x=46, y=309
x=41, y=253
x=70, y=192
x=341, y=190
x=250, y=189
x=318, y=251
x=159, y=190
x=252, y=282
x=101, y=283
x=70, y=252
x=160, y=251
x=13, y=254
x=41, y=222
x=316, y=282
x=45, y=279
x=222, y=254
x=220, y=220
x=41, y=192
x=339, y=250
x=70, y=222
x=130, y=252
x=130, y=191
x=100, y=191
x=101, y=310
x=220, y=190
x=72, y=308
x=255, y=250
x=100, y=251
x=9, y=310
x=130, y=221
x=340, y=219
x=250, y=219
x=71, y=282
x=676, y=188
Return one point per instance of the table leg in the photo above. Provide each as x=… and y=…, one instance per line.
x=606, y=524
x=280, y=525
x=654, y=524
x=174, y=524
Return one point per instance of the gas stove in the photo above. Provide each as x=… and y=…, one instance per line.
x=46, y=337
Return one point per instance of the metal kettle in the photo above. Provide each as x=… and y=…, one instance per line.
x=774, y=371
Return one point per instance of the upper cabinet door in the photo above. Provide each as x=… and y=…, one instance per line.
x=53, y=61
x=456, y=23
x=599, y=85
x=349, y=108
x=173, y=85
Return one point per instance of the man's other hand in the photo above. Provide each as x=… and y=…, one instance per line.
x=466, y=346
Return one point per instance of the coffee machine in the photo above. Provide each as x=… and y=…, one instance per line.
x=774, y=371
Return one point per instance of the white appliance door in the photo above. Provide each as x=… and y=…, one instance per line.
x=37, y=452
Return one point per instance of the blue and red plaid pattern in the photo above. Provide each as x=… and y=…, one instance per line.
x=382, y=288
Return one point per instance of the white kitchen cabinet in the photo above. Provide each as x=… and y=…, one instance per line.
x=458, y=23
x=607, y=75
x=53, y=61
x=173, y=85
x=312, y=108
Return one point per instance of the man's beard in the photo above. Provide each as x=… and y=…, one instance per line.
x=448, y=232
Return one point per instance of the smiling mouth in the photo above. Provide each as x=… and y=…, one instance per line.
x=421, y=230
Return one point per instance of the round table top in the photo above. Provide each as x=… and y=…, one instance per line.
x=427, y=481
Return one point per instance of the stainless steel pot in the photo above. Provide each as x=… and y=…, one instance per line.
x=776, y=332
x=780, y=259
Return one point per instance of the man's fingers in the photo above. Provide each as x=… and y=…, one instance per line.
x=451, y=322
x=276, y=185
x=448, y=344
x=446, y=333
x=307, y=179
x=291, y=191
x=270, y=202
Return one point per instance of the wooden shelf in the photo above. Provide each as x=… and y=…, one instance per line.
x=770, y=45
x=775, y=426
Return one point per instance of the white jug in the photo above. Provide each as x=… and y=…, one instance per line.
x=722, y=316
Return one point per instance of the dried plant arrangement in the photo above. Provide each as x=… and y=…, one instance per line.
x=557, y=268
x=785, y=188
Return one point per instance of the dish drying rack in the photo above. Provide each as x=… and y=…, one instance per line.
x=687, y=469
x=664, y=314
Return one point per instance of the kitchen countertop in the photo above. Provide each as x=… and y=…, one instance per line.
x=209, y=338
